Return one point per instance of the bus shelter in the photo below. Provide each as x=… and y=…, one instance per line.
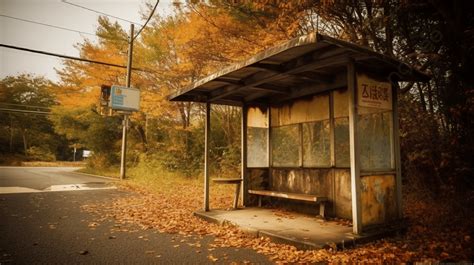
x=319, y=127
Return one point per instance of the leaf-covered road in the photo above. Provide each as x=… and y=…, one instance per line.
x=50, y=227
x=436, y=232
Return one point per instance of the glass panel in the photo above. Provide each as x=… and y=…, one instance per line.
x=257, y=147
x=316, y=144
x=341, y=142
x=286, y=146
x=375, y=131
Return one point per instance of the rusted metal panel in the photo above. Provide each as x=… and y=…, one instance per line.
x=341, y=103
x=378, y=199
x=315, y=108
x=257, y=117
x=342, y=193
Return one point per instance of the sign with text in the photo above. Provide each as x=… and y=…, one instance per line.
x=124, y=98
x=373, y=94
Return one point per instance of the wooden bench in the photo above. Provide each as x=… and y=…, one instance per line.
x=236, y=181
x=292, y=196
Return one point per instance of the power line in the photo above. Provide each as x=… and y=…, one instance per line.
x=65, y=56
x=23, y=105
x=99, y=12
x=149, y=17
x=26, y=111
x=48, y=25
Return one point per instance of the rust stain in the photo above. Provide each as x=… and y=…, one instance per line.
x=378, y=199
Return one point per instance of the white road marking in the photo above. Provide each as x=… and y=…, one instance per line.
x=54, y=188
x=6, y=190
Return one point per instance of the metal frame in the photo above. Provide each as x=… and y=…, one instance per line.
x=207, y=131
x=354, y=150
x=396, y=149
x=243, y=155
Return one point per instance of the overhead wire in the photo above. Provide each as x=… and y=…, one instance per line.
x=65, y=56
x=23, y=105
x=80, y=32
x=54, y=26
x=25, y=111
x=99, y=12
x=48, y=25
x=149, y=17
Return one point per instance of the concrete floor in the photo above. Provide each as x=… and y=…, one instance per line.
x=302, y=231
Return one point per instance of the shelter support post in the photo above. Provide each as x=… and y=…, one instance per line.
x=269, y=146
x=207, y=131
x=354, y=149
x=243, y=156
x=396, y=150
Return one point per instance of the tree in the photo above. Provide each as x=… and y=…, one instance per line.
x=29, y=133
x=85, y=127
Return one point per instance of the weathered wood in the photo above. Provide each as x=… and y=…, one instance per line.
x=292, y=196
x=306, y=90
x=317, y=47
x=236, y=181
x=308, y=77
x=260, y=78
x=275, y=90
x=354, y=150
x=227, y=180
x=207, y=131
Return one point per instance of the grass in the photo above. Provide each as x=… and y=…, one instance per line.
x=113, y=172
x=155, y=179
x=52, y=164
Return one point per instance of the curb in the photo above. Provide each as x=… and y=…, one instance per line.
x=259, y=233
x=92, y=175
x=301, y=244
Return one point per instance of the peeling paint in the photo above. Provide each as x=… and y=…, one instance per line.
x=378, y=200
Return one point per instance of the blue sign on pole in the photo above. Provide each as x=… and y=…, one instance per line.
x=124, y=98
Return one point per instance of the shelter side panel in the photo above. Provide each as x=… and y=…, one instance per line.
x=305, y=181
x=378, y=199
x=257, y=180
x=342, y=193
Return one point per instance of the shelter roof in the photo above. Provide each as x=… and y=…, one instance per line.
x=302, y=66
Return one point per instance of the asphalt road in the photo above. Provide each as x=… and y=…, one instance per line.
x=49, y=227
x=40, y=178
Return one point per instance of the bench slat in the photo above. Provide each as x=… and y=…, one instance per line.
x=294, y=196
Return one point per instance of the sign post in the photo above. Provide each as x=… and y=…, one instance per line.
x=125, y=116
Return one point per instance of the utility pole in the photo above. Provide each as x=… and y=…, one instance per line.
x=125, y=115
x=75, y=150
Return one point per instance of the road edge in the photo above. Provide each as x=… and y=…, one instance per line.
x=93, y=175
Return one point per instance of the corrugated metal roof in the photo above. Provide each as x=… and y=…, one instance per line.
x=302, y=66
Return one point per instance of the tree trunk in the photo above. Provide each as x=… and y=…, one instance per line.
x=11, y=134
x=422, y=96
x=25, y=143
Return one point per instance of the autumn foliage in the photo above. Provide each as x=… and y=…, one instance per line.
x=200, y=37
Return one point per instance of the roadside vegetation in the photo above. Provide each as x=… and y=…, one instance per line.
x=165, y=148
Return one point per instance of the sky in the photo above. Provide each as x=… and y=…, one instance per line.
x=58, y=13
